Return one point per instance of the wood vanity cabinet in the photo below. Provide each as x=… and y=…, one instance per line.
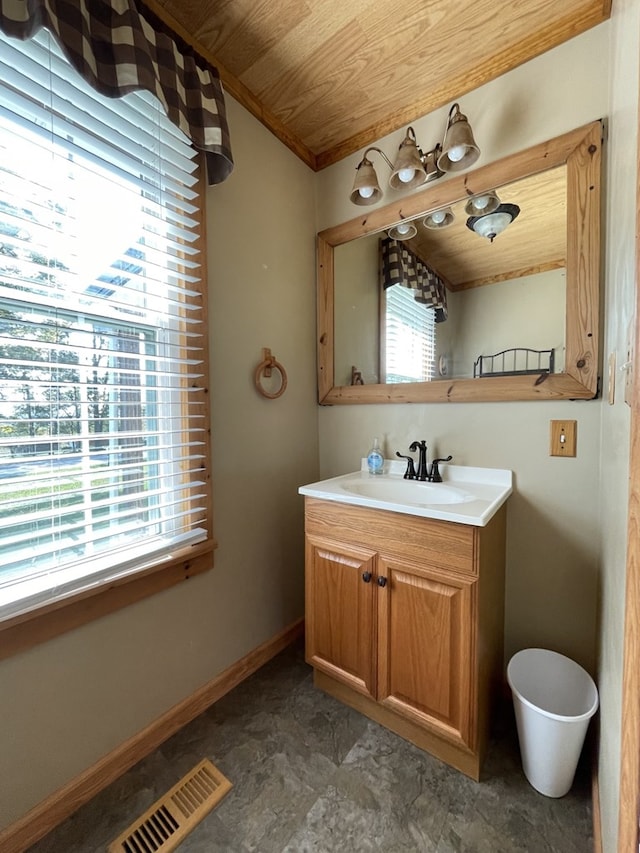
x=404, y=622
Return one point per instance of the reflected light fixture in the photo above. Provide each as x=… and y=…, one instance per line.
x=482, y=203
x=490, y=225
x=413, y=167
x=439, y=218
x=403, y=231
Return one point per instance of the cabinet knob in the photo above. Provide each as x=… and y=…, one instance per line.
x=382, y=581
x=366, y=577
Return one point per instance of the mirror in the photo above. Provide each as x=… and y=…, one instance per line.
x=535, y=286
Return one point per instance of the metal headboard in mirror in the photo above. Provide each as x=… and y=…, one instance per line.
x=577, y=156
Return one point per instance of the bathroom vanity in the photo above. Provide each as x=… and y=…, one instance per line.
x=405, y=602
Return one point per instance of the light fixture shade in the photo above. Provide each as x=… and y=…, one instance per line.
x=439, y=218
x=492, y=224
x=408, y=171
x=481, y=204
x=459, y=149
x=403, y=231
x=366, y=189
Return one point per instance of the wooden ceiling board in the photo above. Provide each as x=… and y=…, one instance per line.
x=298, y=43
x=254, y=31
x=332, y=76
x=317, y=100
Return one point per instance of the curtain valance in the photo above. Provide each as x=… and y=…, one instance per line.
x=119, y=46
x=399, y=265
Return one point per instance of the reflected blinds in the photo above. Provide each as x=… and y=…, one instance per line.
x=410, y=337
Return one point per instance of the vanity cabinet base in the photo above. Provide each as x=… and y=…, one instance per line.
x=462, y=759
x=405, y=621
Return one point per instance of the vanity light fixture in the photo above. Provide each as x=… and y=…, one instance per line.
x=439, y=218
x=459, y=149
x=413, y=167
x=366, y=189
x=489, y=225
x=403, y=231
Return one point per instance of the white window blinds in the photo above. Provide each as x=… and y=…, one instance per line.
x=102, y=412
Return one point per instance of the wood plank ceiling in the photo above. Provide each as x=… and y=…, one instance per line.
x=328, y=77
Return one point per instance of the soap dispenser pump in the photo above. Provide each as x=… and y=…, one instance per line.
x=375, y=459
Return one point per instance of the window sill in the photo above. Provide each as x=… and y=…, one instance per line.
x=44, y=623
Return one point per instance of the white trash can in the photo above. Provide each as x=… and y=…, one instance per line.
x=553, y=698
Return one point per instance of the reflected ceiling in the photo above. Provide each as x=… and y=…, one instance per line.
x=534, y=242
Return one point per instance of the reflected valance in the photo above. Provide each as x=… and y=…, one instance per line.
x=399, y=265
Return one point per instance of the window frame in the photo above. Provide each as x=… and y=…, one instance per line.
x=44, y=622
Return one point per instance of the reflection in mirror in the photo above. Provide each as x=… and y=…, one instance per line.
x=533, y=285
x=501, y=294
x=407, y=337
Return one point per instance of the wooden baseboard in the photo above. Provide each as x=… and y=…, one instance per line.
x=64, y=802
x=595, y=807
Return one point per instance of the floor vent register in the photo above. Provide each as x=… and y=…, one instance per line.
x=162, y=827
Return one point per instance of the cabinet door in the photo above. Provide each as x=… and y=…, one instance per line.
x=339, y=624
x=426, y=647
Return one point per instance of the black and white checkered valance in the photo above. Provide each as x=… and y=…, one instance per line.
x=399, y=265
x=119, y=46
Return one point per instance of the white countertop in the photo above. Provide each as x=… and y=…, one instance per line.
x=478, y=492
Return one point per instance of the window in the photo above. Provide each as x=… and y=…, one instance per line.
x=409, y=334
x=103, y=416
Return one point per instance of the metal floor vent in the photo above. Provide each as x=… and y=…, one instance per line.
x=162, y=827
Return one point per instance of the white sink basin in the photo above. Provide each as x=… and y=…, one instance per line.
x=406, y=491
x=468, y=495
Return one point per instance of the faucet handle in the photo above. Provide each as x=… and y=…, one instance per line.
x=410, y=473
x=436, y=476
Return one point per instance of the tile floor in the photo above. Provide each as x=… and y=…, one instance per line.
x=310, y=774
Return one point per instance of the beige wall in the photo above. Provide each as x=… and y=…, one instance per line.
x=567, y=518
x=553, y=517
x=66, y=703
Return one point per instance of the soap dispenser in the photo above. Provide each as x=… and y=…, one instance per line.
x=375, y=459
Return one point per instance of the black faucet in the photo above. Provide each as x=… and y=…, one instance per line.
x=423, y=469
x=423, y=473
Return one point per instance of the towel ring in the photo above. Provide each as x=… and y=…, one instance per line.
x=265, y=367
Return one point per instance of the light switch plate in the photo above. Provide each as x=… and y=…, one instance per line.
x=563, y=438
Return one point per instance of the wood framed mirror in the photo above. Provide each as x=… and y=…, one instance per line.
x=576, y=156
